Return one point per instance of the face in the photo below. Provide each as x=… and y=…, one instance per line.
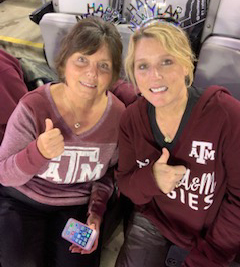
x=160, y=78
x=89, y=76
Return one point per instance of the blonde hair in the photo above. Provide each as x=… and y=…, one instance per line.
x=173, y=39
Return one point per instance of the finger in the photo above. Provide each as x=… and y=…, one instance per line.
x=94, y=247
x=179, y=170
x=164, y=157
x=86, y=251
x=92, y=226
x=53, y=133
x=178, y=184
x=76, y=250
x=72, y=246
x=55, y=140
x=54, y=151
x=48, y=125
x=52, y=138
x=57, y=149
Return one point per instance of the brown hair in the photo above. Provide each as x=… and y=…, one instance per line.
x=87, y=36
x=174, y=41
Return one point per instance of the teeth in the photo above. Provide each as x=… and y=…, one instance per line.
x=157, y=90
x=89, y=85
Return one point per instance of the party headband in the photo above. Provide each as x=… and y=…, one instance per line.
x=146, y=13
x=107, y=14
x=142, y=14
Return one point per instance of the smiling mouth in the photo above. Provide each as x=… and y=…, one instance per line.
x=158, y=90
x=88, y=85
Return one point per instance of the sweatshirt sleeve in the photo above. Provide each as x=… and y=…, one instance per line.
x=12, y=88
x=137, y=183
x=222, y=240
x=102, y=190
x=20, y=158
x=125, y=91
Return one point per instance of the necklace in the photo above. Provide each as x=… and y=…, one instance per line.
x=167, y=139
x=77, y=125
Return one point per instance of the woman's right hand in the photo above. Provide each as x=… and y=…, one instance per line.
x=167, y=177
x=51, y=142
x=94, y=222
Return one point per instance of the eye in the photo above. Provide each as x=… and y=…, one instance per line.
x=167, y=62
x=81, y=59
x=142, y=66
x=104, y=66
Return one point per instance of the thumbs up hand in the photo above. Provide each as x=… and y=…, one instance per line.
x=167, y=177
x=50, y=143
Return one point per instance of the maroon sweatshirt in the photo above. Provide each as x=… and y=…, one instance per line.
x=12, y=88
x=82, y=174
x=125, y=91
x=203, y=214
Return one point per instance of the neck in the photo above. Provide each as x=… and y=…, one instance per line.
x=174, y=109
x=84, y=105
x=80, y=115
x=169, y=117
x=83, y=113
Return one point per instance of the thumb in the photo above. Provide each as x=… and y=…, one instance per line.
x=92, y=226
x=164, y=157
x=49, y=125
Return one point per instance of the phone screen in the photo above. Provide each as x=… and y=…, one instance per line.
x=78, y=233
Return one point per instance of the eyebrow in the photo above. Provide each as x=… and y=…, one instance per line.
x=106, y=60
x=86, y=55
x=163, y=56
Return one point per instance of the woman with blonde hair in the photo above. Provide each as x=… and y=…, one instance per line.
x=178, y=158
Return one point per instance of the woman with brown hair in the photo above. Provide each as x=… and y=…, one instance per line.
x=59, y=151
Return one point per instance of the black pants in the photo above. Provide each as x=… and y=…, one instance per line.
x=143, y=246
x=30, y=233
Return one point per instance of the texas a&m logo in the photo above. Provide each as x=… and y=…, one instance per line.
x=82, y=164
x=202, y=151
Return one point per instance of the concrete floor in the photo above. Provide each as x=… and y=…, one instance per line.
x=22, y=38
x=19, y=35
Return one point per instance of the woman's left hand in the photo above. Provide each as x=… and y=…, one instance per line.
x=94, y=222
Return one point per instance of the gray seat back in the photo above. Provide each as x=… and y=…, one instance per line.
x=219, y=59
x=54, y=27
x=77, y=6
x=219, y=63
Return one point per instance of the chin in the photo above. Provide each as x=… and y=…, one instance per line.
x=156, y=103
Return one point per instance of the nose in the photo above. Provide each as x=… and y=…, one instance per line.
x=92, y=71
x=156, y=73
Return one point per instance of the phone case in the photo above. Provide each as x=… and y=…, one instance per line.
x=175, y=256
x=79, y=234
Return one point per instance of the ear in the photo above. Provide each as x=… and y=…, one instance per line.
x=185, y=70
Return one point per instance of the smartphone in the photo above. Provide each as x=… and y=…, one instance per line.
x=79, y=234
x=176, y=256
